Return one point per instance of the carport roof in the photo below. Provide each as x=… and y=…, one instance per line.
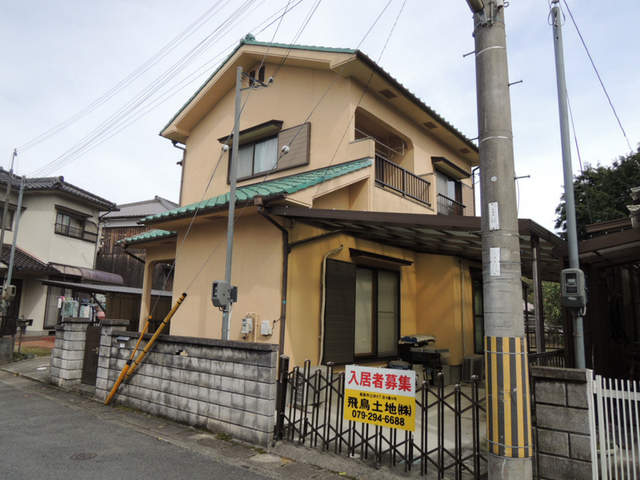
x=433, y=234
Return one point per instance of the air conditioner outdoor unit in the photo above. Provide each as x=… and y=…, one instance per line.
x=472, y=365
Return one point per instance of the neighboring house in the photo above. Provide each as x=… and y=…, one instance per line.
x=610, y=259
x=362, y=233
x=57, y=240
x=129, y=263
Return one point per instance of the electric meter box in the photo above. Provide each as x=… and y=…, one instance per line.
x=247, y=325
x=574, y=290
x=222, y=295
x=8, y=293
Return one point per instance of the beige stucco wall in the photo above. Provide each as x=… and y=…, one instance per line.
x=257, y=272
x=33, y=302
x=332, y=134
x=445, y=306
x=328, y=123
x=37, y=234
x=432, y=298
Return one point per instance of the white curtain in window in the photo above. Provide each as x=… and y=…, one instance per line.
x=266, y=155
x=245, y=161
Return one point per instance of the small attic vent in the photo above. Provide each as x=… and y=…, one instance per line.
x=387, y=93
x=430, y=125
x=465, y=150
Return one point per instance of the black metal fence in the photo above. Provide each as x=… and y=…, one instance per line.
x=449, y=436
x=553, y=358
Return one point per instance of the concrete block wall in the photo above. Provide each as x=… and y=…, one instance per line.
x=68, y=352
x=6, y=349
x=225, y=386
x=562, y=423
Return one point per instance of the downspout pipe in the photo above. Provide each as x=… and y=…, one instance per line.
x=324, y=299
x=462, y=309
x=285, y=271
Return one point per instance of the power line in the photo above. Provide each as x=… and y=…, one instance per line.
x=126, y=110
x=123, y=83
x=599, y=77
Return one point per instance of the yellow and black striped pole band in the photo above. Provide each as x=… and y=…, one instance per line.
x=508, y=397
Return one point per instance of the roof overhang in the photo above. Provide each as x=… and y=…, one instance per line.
x=608, y=250
x=431, y=234
x=89, y=274
x=345, y=63
x=102, y=289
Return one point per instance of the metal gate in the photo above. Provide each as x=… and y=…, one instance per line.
x=91, y=351
x=449, y=436
x=617, y=415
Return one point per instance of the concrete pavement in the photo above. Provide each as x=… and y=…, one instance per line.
x=59, y=434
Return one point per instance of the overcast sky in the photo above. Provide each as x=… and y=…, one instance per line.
x=60, y=57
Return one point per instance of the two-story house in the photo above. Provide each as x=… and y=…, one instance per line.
x=354, y=216
x=57, y=239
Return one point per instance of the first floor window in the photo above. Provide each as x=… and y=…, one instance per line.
x=362, y=316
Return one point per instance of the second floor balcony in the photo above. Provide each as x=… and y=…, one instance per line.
x=448, y=206
x=402, y=181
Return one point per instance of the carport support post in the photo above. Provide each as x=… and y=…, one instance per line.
x=508, y=397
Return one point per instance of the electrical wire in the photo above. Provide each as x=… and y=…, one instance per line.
x=598, y=75
x=575, y=138
x=195, y=214
x=266, y=177
x=126, y=81
x=108, y=125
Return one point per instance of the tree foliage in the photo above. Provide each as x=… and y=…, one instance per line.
x=601, y=193
x=551, y=307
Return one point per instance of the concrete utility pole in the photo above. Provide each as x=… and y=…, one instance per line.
x=233, y=171
x=507, y=366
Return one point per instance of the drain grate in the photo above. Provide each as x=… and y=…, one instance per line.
x=84, y=456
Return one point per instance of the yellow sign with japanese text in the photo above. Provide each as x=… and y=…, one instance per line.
x=380, y=396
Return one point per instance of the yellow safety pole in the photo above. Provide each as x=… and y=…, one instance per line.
x=125, y=369
x=164, y=323
x=130, y=366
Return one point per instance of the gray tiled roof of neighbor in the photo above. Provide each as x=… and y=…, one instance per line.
x=251, y=40
x=270, y=188
x=55, y=184
x=147, y=236
x=142, y=208
x=25, y=261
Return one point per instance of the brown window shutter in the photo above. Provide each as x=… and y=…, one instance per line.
x=340, y=312
x=298, y=140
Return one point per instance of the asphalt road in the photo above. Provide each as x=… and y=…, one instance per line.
x=42, y=436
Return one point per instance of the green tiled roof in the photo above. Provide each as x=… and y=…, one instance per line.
x=150, y=235
x=271, y=188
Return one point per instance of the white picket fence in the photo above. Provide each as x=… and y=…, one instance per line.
x=616, y=417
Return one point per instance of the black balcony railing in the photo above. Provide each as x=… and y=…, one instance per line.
x=402, y=181
x=76, y=232
x=447, y=206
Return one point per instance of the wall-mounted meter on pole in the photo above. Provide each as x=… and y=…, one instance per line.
x=8, y=293
x=222, y=294
x=574, y=290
